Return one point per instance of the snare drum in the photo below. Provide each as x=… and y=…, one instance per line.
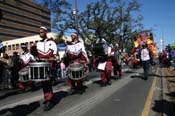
x=76, y=71
x=39, y=71
x=24, y=74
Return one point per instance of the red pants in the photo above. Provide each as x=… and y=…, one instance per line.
x=23, y=85
x=47, y=90
x=75, y=83
x=106, y=74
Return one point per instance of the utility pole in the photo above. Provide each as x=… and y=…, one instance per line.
x=162, y=43
x=75, y=12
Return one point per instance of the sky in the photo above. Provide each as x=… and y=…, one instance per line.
x=158, y=14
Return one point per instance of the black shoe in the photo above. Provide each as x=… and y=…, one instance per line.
x=109, y=82
x=71, y=91
x=145, y=78
x=103, y=84
x=47, y=106
x=80, y=91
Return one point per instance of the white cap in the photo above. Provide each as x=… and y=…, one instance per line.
x=103, y=40
x=43, y=28
x=23, y=45
x=74, y=34
x=116, y=45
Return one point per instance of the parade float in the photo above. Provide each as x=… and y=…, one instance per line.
x=143, y=37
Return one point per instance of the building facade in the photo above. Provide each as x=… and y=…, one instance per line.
x=15, y=44
x=21, y=18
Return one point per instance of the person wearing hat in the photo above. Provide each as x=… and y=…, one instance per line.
x=75, y=52
x=105, y=62
x=46, y=50
x=25, y=58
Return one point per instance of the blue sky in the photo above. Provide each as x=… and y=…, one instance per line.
x=158, y=14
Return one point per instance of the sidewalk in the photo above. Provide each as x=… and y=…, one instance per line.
x=163, y=102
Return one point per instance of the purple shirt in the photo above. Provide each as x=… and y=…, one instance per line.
x=172, y=53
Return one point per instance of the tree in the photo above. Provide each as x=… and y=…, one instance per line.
x=115, y=20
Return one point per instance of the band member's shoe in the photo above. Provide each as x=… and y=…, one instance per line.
x=145, y=78
x=48, y=105
x=120, y=75
x=109, y=82
x=103, y=84
x=80, y=90
x=72, y=91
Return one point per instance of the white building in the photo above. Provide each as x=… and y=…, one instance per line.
x=15, y=44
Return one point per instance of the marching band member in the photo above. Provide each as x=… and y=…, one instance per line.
x=75, y=52
x=46, y=50
x=24, y=60
x=105, y=63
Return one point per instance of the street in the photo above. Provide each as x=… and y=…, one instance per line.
x=128, y=96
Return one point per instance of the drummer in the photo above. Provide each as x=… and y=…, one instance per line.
x=76, y=55
x=105, y=63
x=25, y=58
x=47, y=50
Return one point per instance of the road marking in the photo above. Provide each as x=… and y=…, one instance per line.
x=147, y=106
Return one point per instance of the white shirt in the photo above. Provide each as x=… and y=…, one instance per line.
x=145, y=54
x=27, y=57
x=46, y=46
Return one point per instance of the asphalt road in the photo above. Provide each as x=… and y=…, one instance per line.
x=125, y=97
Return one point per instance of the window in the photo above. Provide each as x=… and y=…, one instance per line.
x=17, y=46
x=9, y=47
x=13, y=47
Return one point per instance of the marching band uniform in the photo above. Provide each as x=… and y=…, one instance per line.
x=24, y=60
x=75, y=52
x=47, y=50
x=105, y=64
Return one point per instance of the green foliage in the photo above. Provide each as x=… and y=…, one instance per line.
x=117, y=21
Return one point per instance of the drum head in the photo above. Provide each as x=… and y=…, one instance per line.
x=24, y=71
x=75, y=67
x=39, y=64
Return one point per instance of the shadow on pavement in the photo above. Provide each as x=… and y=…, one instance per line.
x=171, y=94
x=21, y=110
x=129, y=71
x=98, y=82
x=164, y=107
x=7, y=94
x=24, y=110
x=172, y=81
x=59, y=95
